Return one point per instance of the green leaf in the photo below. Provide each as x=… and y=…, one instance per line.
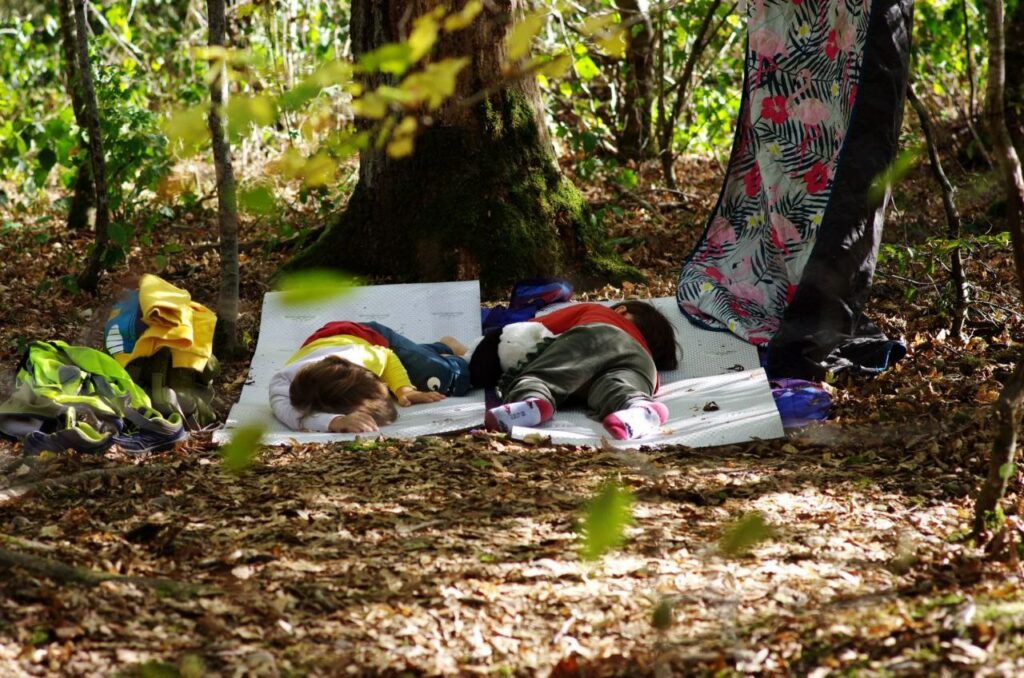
x=435, y=83
x=663, y=615
x=587, y=69
x=256, y=200
x=158, y=669
x=238, y=454
x=313, y=285
x=120, y=234
x=1007, y=470
x=893, y=174
x=244, y=112
x=459, y=20
x=517, y=42
x=745, y=533
x=394, y=58
x=46, y=159
x=605, y=521
x=187, y=130
x=424, y=33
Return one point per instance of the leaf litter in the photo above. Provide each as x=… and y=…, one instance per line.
x=461, y=554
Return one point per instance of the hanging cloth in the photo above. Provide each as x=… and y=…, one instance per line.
x=789, y=252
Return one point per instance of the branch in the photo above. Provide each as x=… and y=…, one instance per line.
x=952, y=216
x=134, y=52
x=69, y=574
x=12, y=494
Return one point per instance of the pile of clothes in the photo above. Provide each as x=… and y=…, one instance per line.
x=152, y=384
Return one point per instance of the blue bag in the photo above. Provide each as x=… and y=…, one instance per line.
x=528, y=297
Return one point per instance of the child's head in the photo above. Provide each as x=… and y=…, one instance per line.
x=338, y=386
x=656, y=330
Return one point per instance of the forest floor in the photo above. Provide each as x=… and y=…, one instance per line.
x=458, y=554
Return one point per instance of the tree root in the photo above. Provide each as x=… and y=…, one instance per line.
x=14, y=493
x=69, y=574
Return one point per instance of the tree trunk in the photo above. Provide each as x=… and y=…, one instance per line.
x=482, y=195
x=89, y=276
x=668, y=118
x=635, y=138
x=226, y=335
x=952, y=215
x=1004, y=448
x=1015, y=78
x=82, y=199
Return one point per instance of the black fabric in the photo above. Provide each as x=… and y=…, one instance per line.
x=826, y=312
x=484, y=365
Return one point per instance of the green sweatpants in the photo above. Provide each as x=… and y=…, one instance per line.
x=599, y=364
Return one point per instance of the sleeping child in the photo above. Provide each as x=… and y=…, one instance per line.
x=607, y=357
x=344, y=376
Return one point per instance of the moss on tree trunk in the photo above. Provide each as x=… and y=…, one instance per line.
x=480, y=197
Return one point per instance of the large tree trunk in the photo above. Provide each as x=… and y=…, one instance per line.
x=482, y=195
x=227, y=208
x=635, y=141
x=83, y=199
x=89, y=276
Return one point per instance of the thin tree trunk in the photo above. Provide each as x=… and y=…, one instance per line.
x=635, y=139
x=83, y=197
x=969, y=56
x=667, y=124
x=971, y=117
x=89, y=276
x=1004, y=448
x=952, y=216
x=1015, y=78
x=227, y=208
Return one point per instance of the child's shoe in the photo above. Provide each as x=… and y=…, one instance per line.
x=636, y=421
x=526, y=413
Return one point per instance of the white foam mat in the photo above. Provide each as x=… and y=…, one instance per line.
x=422, y=312
x=719, y=395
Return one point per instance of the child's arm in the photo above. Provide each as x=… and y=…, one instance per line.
x=287, y=414
x=398, y=381
x=394, y=374
x=409, y=395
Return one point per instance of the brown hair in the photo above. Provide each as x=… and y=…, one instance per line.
x=338, y=386
x=657, y=332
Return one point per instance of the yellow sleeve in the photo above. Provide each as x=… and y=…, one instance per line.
x=394, y=374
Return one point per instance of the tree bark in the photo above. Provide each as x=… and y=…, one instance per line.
x=1004, y=448
x=226, y=334
x=83, y=198
x=482, y=195
x=89, y=277
x=952, y=215
x=668, y=119
x=635, y=141
x=1015, y=78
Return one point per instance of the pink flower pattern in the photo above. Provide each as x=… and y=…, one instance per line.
x=803, y=65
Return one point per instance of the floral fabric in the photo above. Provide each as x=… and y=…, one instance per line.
x=802, y=72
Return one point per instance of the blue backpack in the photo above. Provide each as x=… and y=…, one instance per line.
x=528, y=297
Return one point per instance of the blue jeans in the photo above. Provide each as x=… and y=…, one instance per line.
x=431, y=367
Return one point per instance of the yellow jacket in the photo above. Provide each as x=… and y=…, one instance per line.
x=174, y=321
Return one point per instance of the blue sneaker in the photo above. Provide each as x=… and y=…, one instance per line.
x=144, y=441
x=82, y=438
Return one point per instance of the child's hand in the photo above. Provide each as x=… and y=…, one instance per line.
x=407, y=395
x=357, y=422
